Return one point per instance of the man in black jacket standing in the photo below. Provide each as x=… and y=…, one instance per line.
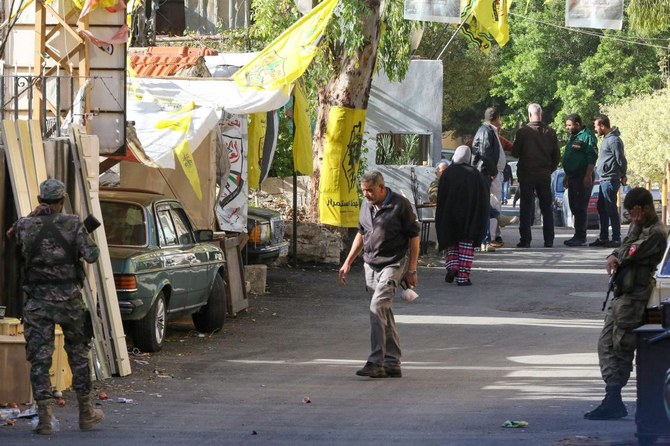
x=536, y=147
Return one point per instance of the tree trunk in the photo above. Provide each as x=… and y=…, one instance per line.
x=349, y=87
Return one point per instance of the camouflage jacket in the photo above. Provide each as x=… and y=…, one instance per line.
x=51, y=269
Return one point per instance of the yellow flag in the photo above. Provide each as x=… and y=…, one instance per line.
x=182, y=124
x=289, y=55
x=257, y=128
x=302, y=140
x=493, y=16
x=338, y=188
x=472, y=29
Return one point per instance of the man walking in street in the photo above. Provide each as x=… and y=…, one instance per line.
x=387, y=230
x=536, y=148
x=52, y=245
x=611, y=167
x=633, y=264
x=579, y=159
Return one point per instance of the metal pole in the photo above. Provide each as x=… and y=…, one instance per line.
x=460, y=25
x=294, y=242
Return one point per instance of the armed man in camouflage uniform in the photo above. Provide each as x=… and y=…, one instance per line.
x=634, y=265
x=52, y=245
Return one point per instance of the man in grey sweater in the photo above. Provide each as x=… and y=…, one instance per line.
x=611, y=168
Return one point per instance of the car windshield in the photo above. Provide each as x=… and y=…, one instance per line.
x=124, y=223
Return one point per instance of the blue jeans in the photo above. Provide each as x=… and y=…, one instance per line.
x=608, y=210
x=505, y=191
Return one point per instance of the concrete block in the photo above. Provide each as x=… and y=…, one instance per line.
x=256, y=275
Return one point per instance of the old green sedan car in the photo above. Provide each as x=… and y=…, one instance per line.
x=163, y=267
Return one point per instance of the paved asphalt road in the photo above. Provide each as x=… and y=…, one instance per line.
x=517, y=345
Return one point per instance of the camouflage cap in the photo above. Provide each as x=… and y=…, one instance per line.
x=52, y=189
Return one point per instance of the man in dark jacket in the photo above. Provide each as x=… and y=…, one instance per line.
x=388, y=235
x=579, y=159
x=612, y=166
x=536, y=147
x=462, y=206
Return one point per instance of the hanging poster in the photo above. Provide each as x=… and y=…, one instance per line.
x=444, y=11
x=232, y=202
x=599, y=14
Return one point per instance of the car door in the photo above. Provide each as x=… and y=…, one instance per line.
x=176, y=259
x=197, y=278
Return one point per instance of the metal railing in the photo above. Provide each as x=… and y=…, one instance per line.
x=15, y=87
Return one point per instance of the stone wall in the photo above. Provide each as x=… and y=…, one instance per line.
x=316, y=242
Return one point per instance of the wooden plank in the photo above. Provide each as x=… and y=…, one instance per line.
x=104, y=276
x=30, y=172
x=16, y=169
x=38, y=155
x=237, y=290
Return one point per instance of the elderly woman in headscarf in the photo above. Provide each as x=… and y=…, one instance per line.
x=462, y=209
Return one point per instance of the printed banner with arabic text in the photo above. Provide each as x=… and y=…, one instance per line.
x=338, y=190
x=444, y=11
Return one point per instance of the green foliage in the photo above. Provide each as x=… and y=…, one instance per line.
x=397, y=149
x=649, y=15
x=466, y=72
x=567, y=71
x=643, y=122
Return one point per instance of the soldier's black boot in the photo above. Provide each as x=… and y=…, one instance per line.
x=88, y=416
x=611, y=408
x=45, y=415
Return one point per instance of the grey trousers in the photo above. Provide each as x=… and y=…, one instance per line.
x=384, y=340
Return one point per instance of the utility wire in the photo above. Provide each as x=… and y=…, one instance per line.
x=590, y=33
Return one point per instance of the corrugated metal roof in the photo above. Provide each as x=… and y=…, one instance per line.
x=171, y=61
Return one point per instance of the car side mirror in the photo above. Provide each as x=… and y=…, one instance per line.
x=204, y=235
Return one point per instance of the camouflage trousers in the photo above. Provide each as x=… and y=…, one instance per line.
x=39, y=319
x=617, y=342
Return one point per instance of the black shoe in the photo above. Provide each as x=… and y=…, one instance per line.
x=607, y=410
x=499, y=240
x=523, y=245
x=548, y=244
x=450, y=276
x=600, y=243
x=614, y=244
x=393, y=371
x=466, y=283
x=574, y=241
x=372, y=370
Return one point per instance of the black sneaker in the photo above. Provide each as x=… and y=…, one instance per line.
x=574, y=241
x=607, y=411
x=548, y=244
x=600, y=243
x=523, y=245
x=614, y=244
x=466, y=283
x=451, y=274
x=372, y=370
x=393, y=371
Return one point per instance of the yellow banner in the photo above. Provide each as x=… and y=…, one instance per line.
x=338, y=190
x=289, y=55
x=302, y=140
x=257, y=128
x=486, y=21
x=182, y=124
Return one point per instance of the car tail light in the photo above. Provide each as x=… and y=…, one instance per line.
x=259, y=234
x=125, y=282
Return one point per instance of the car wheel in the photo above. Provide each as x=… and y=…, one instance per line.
x=212, y=316
x=149, y=332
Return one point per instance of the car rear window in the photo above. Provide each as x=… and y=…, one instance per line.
x=125, y=223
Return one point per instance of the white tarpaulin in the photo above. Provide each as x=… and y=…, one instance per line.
x=210, y=92
x=599, y=14
x=445, y=11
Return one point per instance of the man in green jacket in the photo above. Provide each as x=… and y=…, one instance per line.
x=579, y=159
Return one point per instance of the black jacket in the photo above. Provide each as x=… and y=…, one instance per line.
x=486, y=150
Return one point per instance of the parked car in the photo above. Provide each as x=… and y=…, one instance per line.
x=661, y=292
x=266, y=236
x=557, y=196
x=592, y=216
x=163, y=267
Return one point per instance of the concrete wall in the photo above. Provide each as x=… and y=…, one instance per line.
x=411, y=106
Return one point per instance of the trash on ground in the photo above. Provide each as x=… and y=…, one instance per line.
x=306, y=400
x=124, y=400
x=60, y=402
x=103, y=396
x=510, y=423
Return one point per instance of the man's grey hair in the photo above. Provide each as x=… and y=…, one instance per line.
x=375, y=177
x=535, y=110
